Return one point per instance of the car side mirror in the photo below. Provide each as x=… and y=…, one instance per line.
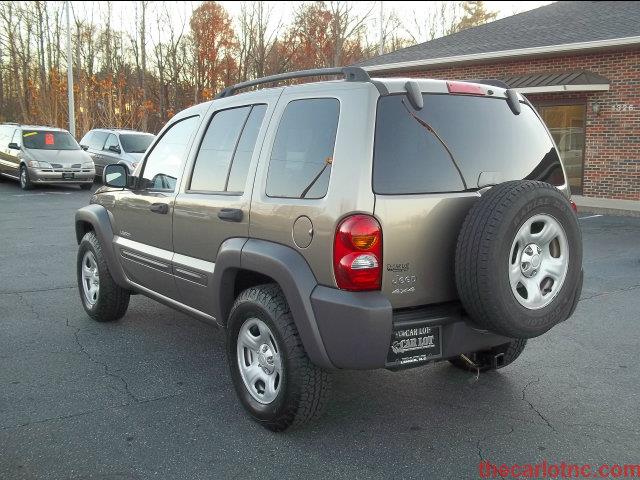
x=115, y=175
x=84, y=147
x=14, y=146
x=114, y=149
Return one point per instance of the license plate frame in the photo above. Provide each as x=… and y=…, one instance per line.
x=68, y=175
x=414, y=345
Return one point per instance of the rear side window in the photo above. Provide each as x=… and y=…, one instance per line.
x=302, y=152
x=482, y=134
x=225, y=153
x=6, y=133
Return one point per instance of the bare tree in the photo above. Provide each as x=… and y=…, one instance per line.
x=441, y=19
x=345, y=24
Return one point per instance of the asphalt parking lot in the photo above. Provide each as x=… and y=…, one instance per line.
x=149, y=396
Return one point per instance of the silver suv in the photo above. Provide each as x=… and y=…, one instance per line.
x=347, y=224
x=107, y=145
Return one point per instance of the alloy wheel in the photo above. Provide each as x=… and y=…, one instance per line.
x=538, y=261
x=90, y=278
x=259, y=360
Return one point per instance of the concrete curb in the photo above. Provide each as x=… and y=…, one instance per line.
x=607, y=206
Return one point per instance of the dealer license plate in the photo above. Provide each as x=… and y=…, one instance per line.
x=414, y=345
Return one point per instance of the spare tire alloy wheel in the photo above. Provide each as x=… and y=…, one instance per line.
x=539, y=261
x=519, y=259
x=259, y=361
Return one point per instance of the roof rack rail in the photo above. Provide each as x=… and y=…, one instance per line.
x=494, y=82
x=351, y=74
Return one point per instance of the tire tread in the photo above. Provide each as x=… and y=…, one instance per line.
x=113, y=300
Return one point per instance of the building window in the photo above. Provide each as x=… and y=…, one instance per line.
x=566, y=124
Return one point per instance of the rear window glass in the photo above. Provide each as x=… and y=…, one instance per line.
x=302, y=152
x=482, y=134
x=48, y=140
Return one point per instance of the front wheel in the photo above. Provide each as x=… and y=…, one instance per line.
x=271, y=372
x=86, y=186
x=25, y=181
x=102, y=298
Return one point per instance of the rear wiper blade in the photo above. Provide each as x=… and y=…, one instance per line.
x=430, y=129
x=327, y=162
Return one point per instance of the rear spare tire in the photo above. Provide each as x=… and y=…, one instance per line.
x=519, y=259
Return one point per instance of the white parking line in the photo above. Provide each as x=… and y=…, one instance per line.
x=590, y=216
x=41, y=193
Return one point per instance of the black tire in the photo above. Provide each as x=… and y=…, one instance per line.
x=304, y=389
x=86, y=186
x=112, y=300
x=511, y=351
x=25, y=181
x=484, y=249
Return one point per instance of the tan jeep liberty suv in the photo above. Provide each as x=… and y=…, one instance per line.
x=354, y=223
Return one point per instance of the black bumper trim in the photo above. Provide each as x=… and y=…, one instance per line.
x=356, y=328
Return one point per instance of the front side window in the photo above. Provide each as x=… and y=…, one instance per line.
x=96, y=140
x=302, y=152
x=223, y=160
x=48, y=140
x=111, y=144
x=164, y=163
x=135, y=142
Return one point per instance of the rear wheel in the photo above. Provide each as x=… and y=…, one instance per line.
x=519, y=259
x=271, y=372
x=86, y=186
x=25, y=181
x=492, y=359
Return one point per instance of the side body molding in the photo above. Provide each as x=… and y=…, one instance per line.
x=97, y=218
x=289, y=269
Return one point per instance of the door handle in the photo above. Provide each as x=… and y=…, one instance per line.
x=230, y=214
x=159, y=208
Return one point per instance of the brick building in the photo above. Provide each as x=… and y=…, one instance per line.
x=578, y=63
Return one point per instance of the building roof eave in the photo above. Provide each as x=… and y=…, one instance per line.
x=506, y=54
x=563, y=88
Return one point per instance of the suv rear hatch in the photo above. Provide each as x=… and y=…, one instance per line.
x=427, y=174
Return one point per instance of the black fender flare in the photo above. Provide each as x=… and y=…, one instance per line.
x=97, y=217
x=289, y=269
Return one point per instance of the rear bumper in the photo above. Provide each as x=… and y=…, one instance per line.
x=357, y=328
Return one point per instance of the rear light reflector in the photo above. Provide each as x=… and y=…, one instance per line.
x=463, y=88
x=357, y=253
x=574, y=206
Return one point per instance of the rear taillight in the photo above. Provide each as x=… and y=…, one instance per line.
x=574, y=206
x=357, y=253
x=463, y=88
